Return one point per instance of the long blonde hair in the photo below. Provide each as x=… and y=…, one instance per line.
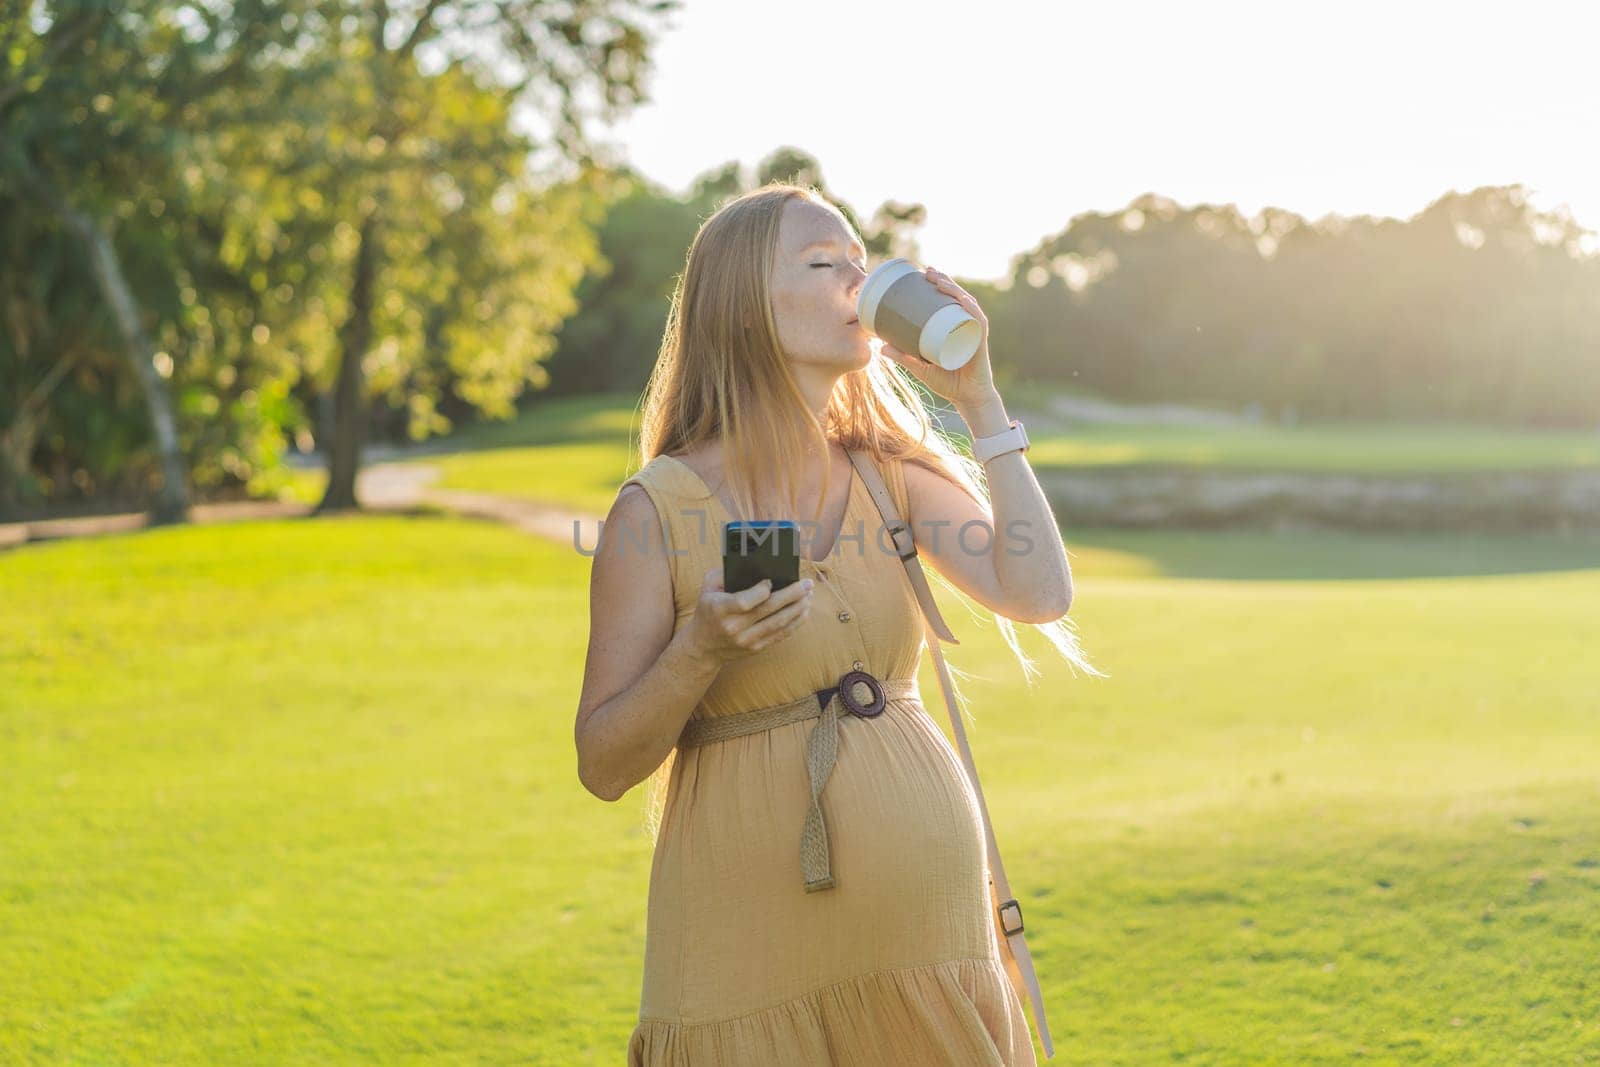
x=717, y=380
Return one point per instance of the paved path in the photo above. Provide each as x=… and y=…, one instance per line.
x=401, y=486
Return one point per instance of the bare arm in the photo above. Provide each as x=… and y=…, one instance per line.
x=1014, y=562
x=641, y=682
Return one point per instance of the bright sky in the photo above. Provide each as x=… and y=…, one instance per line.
x=1007, y=117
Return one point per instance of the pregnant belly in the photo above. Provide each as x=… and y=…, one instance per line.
x=905, y=841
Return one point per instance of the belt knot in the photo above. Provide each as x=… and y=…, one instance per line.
x=822, y=751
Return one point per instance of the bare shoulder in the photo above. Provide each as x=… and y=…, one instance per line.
x=633, y=501
x=634, y=512
x=705, y=461
x=630, y=599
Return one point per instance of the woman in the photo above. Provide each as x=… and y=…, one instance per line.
x=763, y=380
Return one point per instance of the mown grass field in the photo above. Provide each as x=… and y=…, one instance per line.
x=576, y=451
x=304, y=792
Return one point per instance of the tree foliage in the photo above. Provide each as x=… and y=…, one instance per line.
x=1480, y=307
x=318, y=217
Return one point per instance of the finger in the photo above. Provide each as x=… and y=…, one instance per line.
x=789, y=594
x=712, y=579
x=746, y=599
x=923, y=370
x=911, y=362
x=789, y=625
x=780, y=635
x=761, y=627
x=777, y=620
x=944, y=283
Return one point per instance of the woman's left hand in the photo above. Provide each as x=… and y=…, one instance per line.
x=973, y=382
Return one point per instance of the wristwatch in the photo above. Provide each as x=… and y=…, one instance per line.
x=1012, y=439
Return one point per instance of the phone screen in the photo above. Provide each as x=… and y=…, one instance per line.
x=752, y=551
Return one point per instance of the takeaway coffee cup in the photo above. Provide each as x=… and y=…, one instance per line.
x=899, y=304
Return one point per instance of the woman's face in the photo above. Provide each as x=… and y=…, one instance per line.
x=814, y=285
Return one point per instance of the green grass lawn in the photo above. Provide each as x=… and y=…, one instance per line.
x=575, y=452
x=304, y=792
x=1360, y=448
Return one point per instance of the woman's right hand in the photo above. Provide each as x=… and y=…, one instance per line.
x=728, y=626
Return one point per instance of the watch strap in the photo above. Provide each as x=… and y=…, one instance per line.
x=1012, y=439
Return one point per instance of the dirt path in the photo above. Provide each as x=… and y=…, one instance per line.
x=395, y=479
x=403, y=487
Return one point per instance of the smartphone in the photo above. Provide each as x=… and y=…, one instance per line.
x=752, y=551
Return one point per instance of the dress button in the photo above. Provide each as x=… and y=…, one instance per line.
x=844, y=616
x=857, y=665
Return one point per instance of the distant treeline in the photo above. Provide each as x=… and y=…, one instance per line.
x=1480, y=307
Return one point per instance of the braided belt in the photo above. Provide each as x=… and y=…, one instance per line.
x=822, y=747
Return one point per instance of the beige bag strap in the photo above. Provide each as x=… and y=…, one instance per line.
x=1018, y=961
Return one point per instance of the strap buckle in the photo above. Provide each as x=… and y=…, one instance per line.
x=1014, y=906
x=847, y=695
x=895, y=530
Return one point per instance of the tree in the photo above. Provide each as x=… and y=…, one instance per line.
x=398, y=149
x=92, y=104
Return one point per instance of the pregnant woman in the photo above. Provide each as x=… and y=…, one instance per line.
x=873, y=942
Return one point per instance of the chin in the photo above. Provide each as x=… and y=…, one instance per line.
x=853, y=360
x=849, y=358
x=863, y=352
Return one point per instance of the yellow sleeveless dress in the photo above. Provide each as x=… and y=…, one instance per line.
x=899, y=962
